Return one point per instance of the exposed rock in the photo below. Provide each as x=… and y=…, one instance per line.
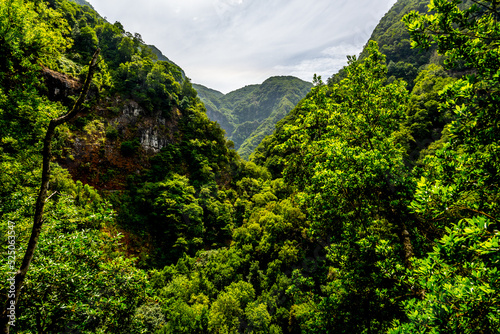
x=153, y=130
x=60, y=86
x=95, y=153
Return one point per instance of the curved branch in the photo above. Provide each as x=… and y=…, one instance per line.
x=42, y=195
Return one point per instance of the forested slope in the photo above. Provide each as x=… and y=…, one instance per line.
x=403, y=61
x=142, y=130
x=370, y=209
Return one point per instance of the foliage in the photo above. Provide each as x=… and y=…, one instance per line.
x=32, y=37
x=461, y=282
x=426, y=119
x=129, y=148
x=151, y=83
x=457, y=191
x=342, y=152
x=77, y=280
x=393, y=38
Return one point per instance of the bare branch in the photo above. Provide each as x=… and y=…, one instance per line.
x=42, y=195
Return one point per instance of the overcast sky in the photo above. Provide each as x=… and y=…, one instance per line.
x=227, y=44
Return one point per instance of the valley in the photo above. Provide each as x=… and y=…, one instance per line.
x=135, y=201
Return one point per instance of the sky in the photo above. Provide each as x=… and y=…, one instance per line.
x=228, y=44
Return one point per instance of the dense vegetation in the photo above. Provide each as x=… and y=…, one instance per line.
x=370, y=209
x=403, y=61
x=250, y=113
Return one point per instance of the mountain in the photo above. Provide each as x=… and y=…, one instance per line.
x=159, y=54
x=161, y=57
x=393, y=38
x=212, y=100
x=403, y=61
x=83, y=3
x=250, y=113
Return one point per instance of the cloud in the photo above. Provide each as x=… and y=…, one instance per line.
x=324, y=64
x=226, y=44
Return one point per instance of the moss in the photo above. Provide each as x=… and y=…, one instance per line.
x=112, y=132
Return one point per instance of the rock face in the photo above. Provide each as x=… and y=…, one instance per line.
x=60, y=86
x=117, y=142
x=153, y=131
x=113, y=140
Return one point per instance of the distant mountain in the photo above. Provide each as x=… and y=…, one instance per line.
x=251, y=113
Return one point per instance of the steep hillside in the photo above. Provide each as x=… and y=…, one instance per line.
x=250, y=113
x=141, y=136
x=161, y=57
x=404, y=61
x=212, y=100
x=83, y=3
x=393, y=39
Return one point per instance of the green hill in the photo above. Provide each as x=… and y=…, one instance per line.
x=393, y=38
x=83, y=3
x=250, y=113
x=394, y=41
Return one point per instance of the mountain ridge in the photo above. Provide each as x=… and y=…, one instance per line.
x=249, y=113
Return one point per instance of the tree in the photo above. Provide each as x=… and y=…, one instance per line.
x=458, y=191
x=20, y=275
x=170, y=213
x=463, y=175
x=78, y=280
x=346, y=147
x=228, y=310
x=85, y=40
x=31, y=37
x=345, y=156
x=426, y=119
x=461, y=279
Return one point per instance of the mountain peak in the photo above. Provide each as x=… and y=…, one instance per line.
x=250, y=113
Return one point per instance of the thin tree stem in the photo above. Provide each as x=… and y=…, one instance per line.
x=42, y=195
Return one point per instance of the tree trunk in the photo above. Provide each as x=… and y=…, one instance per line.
x=11, y=302
x=408, y=254
x=404, y=236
